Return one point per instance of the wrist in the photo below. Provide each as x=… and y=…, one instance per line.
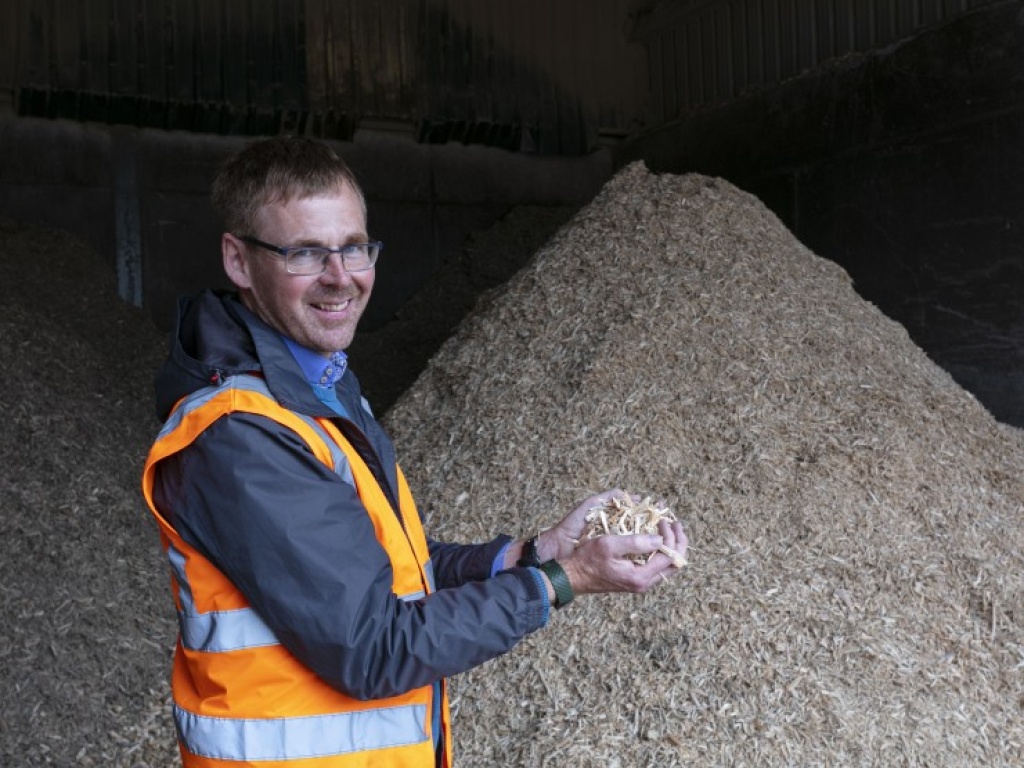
x=526, y=555
x=535, y=550
x=560, y=586
x=547, y=546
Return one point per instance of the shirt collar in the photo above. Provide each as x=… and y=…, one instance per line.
x=319, y=370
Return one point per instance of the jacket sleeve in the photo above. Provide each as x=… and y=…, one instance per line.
x=297, y=542
x=456, y=564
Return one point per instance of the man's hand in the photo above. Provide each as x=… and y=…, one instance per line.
x=560, y=542
x=603, y=564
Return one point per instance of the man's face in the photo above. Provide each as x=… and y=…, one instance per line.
x=318, y=311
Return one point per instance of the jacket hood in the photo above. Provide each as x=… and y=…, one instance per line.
x=215, y=337
x=210, y=343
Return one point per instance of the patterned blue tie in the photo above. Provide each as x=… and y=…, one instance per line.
x=334, y=370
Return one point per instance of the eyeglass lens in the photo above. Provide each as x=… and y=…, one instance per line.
x=310, y=261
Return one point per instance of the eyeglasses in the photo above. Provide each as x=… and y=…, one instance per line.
x=312, y=260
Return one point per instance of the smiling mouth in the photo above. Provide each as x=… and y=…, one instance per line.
x=338, y=307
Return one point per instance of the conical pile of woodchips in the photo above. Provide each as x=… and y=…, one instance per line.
x=854, y=588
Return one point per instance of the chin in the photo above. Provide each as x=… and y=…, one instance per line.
x=339, y=342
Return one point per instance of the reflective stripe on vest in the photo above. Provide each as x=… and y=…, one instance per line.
x=322, y=735
x=257, y=385
x=217, y=631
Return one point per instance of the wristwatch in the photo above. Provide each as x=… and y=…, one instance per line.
x=560, y=581
x=529, y=558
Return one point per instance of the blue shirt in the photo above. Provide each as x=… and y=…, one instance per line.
x=321, y=373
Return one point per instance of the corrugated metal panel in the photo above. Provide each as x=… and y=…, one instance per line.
x=529, y=75
x=701, y=52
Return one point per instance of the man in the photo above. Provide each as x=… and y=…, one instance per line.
x=317, y=621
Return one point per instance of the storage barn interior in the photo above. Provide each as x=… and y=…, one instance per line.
x=697, y=248
x=886, y=135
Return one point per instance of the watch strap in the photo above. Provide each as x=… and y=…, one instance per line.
x=529, y=557
x=559, y=581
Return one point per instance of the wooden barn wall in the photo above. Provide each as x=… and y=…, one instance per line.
x=228, y=67
x=558, y=74
x=702, y=52
x=527, y=75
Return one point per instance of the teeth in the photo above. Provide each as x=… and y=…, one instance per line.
x=333, y=307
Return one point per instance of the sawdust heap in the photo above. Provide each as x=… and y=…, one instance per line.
x=854, y=589
x=85, y=626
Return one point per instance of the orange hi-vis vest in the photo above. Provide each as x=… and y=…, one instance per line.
x=240, y=697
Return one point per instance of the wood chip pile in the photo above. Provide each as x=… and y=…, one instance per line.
x=85, y=627
x=853, y=592
x=854, y=588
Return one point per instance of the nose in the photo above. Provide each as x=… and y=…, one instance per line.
x=334, y=271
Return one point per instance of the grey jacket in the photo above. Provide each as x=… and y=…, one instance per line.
x=295, y=538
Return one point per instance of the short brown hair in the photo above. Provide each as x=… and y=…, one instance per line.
x=277, y=170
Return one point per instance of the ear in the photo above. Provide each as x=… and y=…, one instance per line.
x=236, y=262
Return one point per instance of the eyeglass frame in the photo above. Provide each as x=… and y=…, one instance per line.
x=285, y=252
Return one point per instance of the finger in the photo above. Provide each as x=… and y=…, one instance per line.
x=631, y=546
x=675, y=543
x=679, y=540
x=599, y=499
x=670, y=531
x=575, y=521
x=677, y=558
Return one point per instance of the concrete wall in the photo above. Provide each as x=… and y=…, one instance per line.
x=139, y=197
x=905, y=166
x=57, y=176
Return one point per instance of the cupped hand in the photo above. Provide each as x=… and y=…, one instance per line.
x=605, y=564
x=560, y=541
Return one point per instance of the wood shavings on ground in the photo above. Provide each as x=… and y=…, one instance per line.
x=85, y=634
x=860, y=517
x=625, y=516
x=859, y=597
x=87, y=631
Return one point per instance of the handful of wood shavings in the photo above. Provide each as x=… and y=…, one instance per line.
x=624, y=517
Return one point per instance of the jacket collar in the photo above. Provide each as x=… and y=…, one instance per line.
x=216, y=337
